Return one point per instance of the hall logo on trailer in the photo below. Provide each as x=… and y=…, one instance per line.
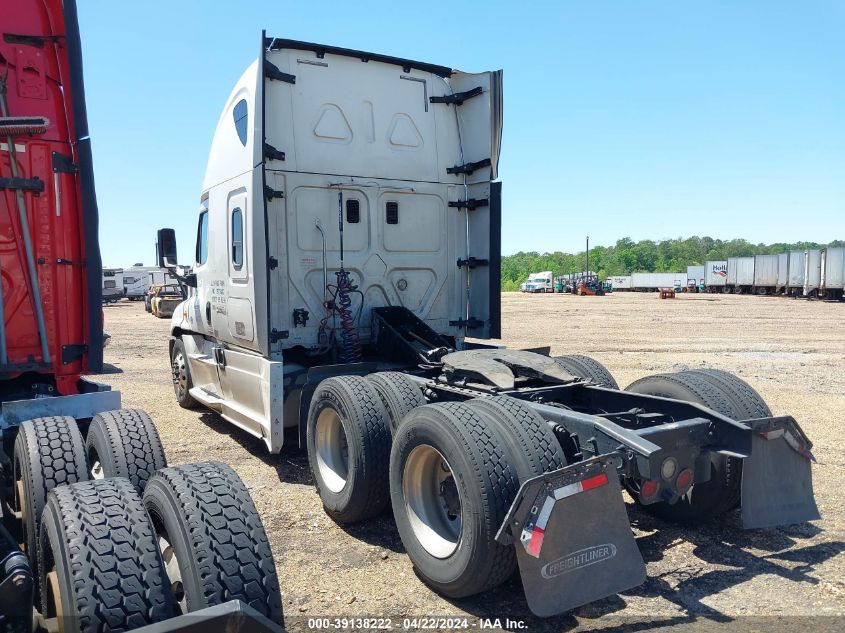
x=720, y=270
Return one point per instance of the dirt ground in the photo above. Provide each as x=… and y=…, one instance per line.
x=791, y=351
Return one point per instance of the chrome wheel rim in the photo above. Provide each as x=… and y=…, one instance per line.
x=432, y=501
x=180, y=375
x=332, y=449
x=174, y=573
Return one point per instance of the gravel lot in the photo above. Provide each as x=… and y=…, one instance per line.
x=791, y=351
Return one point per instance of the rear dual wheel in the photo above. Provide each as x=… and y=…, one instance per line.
x=348, y=441
x=723, y=393
x=455, y=469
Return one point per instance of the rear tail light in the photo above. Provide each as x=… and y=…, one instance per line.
x=684, y=481
x=649, y=490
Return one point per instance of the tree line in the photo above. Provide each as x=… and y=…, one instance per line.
x=627, y=256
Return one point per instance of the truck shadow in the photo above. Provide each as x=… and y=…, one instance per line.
x=719, y=543
x=291, y=464
x=725, y=544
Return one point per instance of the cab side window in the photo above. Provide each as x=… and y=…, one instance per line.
x=202, y=238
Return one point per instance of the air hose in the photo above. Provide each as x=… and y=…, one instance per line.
x=350, y=346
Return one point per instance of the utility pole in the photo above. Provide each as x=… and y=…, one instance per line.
x=587, y=271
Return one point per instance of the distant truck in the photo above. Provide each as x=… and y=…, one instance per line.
x=540, y=282
x=343, y=286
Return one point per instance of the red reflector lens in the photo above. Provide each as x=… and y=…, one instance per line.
x=594, y=482
x=649, y=489
x=684, y=480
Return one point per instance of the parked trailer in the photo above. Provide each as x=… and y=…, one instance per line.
x=524, y=452
x=112, y=287
x=812, y=272
x=620, y=282
x=765, y=274
x=695, y=278
x=651, y=282
x=89, y=510
x=740, y=274
x=716, y=276
x=833, y=273
x=138, y=279
x=795, y=273
x=783, y=272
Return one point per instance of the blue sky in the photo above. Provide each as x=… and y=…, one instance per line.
x=645, y=119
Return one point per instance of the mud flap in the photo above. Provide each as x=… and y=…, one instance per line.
x=777, y=482
x=572, y=537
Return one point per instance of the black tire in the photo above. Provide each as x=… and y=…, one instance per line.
x=181, y=375
x=722, y=492
x=531, y=446
x=48, y=452
x=350, y=451
x=216, y=537
x=586, y=367
x=485, y=483
x=109, y=575
x=750, y=405
x=399, y=395
x=124, y=443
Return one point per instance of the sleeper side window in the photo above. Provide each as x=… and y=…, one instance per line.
x=202, y=238
x=237, y=239
x=241, y=116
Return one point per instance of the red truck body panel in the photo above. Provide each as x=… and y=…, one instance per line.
x=41, y=61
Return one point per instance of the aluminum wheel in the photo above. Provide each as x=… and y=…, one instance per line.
x=174, y=573
x=332, y=450
x=96, y=468
x=432, y=501
x=180, y=375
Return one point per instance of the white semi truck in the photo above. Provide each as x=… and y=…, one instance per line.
x=347, y=252
x=540, y=282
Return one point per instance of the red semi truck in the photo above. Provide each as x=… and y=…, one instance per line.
x=97, y=532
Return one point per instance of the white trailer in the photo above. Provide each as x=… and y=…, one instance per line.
x=716, y=275
x=740, y=274
x=138, y=279
x=650, y=282
x=112, y=284
x=765, y=274
x=341, y=190
x=783, y=272
x=833, y=273
x=795, y=273
x=695, y=278
x=620, y=282
x=812, y=272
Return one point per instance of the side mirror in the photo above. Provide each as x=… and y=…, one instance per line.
x=166, y=247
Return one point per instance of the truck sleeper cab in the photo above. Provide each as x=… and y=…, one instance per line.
x=347, y=248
